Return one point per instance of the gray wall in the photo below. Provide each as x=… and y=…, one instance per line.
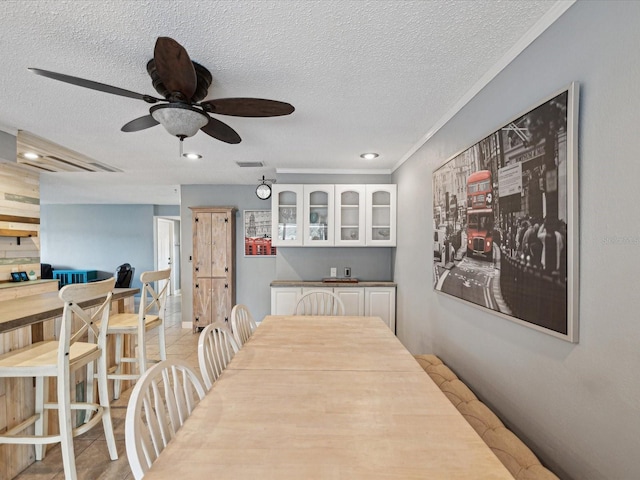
x=577, y=405
x=254, y=275
x=98, y=237
x=7, y=147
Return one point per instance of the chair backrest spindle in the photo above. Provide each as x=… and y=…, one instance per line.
x=242, y=324
x=319, y=302
x=216, y=348
x=161, y=401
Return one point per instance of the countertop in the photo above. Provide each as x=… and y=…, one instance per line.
x=320, y=283
x=20, y=312
x=4, y=285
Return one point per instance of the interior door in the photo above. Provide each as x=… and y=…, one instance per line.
x=165, y=249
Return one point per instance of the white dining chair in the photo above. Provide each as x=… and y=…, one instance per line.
x=150, y=316
x=216, y=348
x=242, y=324
x=61, y=359
x=160, y=403
x=319, y=302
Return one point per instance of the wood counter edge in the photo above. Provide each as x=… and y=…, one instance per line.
x=118, y=294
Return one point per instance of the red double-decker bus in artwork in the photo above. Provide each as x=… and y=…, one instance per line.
x=479, y=214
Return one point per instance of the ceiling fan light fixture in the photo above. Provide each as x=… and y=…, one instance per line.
x=180, y=120
x=192, y=156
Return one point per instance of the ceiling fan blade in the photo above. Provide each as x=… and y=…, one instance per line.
x=81, y=82
x=221, y=131
x=248, y=107
x=174, y=67
x=140, y=124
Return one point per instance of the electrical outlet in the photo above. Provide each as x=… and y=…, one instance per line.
x=347, y=272
x=334, y=272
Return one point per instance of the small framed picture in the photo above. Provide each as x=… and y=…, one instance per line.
x=23, y=276
x=257, y=234
x=15, y=276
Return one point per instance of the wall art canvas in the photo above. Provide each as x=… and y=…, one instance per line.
x=505, y=219
x=257, y=234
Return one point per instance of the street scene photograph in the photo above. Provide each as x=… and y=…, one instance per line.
x=500, y=219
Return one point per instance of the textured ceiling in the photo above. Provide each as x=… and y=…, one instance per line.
x=363, y=75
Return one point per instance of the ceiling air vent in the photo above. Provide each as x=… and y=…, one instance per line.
x=38, y=167
x=43, y=155
x=250, y=164
x=65, y=164
x=102, y=167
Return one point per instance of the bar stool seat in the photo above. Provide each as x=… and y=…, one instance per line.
x=137, y=325
x=41, y=358
x=128, y=322
x=59, y=360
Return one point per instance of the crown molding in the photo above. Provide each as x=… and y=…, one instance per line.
x=548, y=19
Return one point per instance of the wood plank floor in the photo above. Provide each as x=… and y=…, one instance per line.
x=92, y=456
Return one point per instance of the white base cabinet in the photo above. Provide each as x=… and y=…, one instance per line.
x=381, y=302
x=353, y=299
x=368, y=301
x=284, y=300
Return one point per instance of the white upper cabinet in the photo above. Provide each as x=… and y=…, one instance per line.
x=350, y=215
x=286, y=215
x=381, y=215
x=330, y=215
x=318, y=215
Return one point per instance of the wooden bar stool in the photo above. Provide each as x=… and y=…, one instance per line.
x=137, y=325
x=59, y=359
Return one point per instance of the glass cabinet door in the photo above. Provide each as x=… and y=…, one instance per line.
x=318, y=216
x=381, y=215
x=350, y=215
x=286, y=215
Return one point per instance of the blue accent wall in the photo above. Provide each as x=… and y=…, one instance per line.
x=98, y=237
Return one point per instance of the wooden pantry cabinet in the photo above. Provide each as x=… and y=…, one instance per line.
x=214, y=243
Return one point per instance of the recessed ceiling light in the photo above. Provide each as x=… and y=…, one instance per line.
x=31, y=155
x=192, y=156
x=369, y=156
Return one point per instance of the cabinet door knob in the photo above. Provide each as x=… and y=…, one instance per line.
x=226, y=269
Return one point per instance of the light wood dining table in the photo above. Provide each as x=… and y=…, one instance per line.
x=325, y=398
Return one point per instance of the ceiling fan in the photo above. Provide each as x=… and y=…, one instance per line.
x=183, y=84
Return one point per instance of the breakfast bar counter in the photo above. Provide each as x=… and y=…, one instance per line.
x=24, y=321
x=32, y=309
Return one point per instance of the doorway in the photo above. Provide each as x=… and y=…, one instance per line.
x=168, y=250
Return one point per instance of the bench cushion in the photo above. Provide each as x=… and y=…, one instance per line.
x=457, y=392
x=510, y=450
x=479, y=416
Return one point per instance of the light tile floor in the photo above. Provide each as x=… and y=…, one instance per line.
x=92, y=456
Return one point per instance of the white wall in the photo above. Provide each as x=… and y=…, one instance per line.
x=576, y=405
